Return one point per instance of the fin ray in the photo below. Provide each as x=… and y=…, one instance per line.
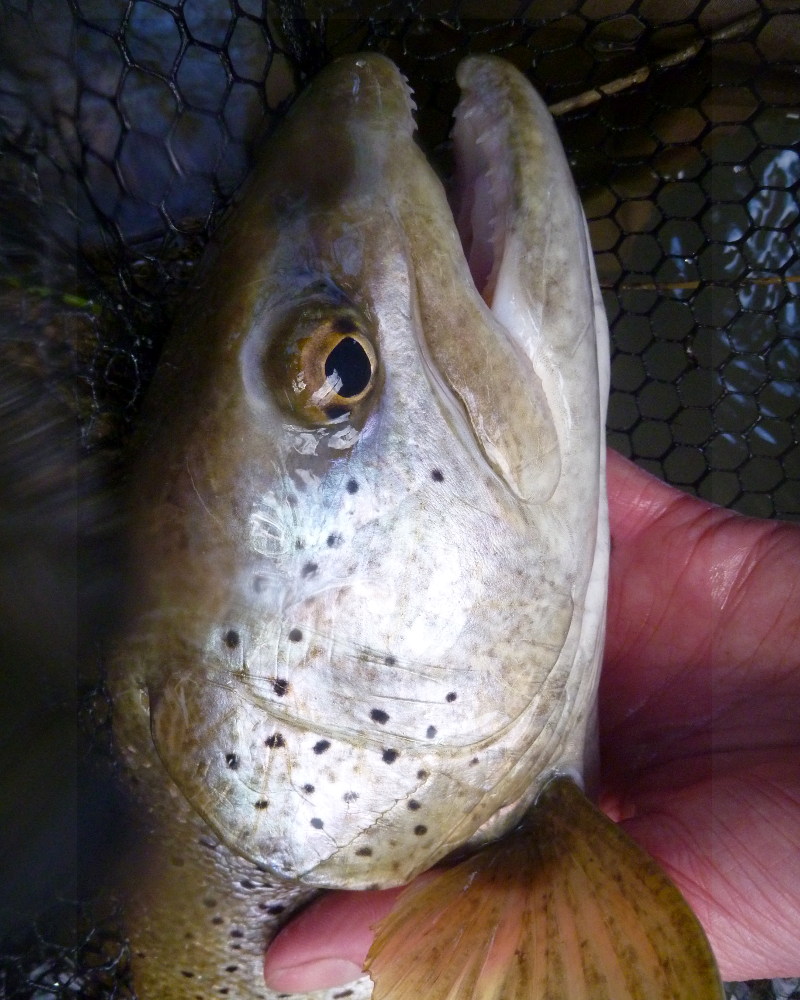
x=568, y=906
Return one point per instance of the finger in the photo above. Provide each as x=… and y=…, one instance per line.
x=325, y=945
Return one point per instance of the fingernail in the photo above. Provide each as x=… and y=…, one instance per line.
x=323, y=973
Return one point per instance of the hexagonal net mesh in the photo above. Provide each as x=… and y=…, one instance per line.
x=127, y=125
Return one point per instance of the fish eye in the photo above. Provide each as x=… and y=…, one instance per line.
x=324, y=365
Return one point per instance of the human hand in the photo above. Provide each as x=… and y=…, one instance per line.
x=700, y=739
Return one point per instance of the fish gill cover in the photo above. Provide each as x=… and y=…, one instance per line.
x=126, y=129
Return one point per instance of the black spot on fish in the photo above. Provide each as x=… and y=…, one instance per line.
x=231, y=968
x=308, y=789
x=473, y=762
x=236, y=933
x=280, y=687
x=185, y=972
x=352, y=486
x=451, y=696
x=217, y=921
x=378, y=715
x=275, y=741
x=261, y=804
x=296, y=635
x=364, y=852
x=350, y=796
x=437, y=475
x=430, y=732
x=413, y=804
x=275, y=909
x=309, y=569
x=341, y=996
x=232, y=761
x=322, y=746
x=247, y=884
x=420, y=830
x=422, y=775
x=317, y=823
x=334, y=541
x=390, y=660
x=210, y=902
x=231, y=638
x=390, y=756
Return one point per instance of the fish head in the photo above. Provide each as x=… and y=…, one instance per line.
x=368, y=530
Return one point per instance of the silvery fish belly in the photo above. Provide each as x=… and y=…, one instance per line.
x=368, y=533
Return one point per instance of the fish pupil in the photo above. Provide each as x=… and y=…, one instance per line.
x=350, y=362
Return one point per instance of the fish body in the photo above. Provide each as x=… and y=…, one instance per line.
x=368, y=525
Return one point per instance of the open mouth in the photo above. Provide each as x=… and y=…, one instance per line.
x=479, y=195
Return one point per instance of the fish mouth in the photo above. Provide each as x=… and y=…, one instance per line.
x=480, y=189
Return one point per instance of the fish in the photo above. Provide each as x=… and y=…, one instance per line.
x=369, y=549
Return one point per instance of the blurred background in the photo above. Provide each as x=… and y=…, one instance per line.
x=126, y=127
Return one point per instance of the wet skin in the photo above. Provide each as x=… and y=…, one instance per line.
x=699, y=699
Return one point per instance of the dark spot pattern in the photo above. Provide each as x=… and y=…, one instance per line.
x=334, y=541
x=321, y=746
x=341, y=996
x=473, y=762
x=390, y=756
x=420, y=830
x=231, y=968
x=364, y=852
x=261, y=803
x=430, y=732
x=378, y=715
x=309, y=569
x=352, y=486
x=295, y=635
x=217, y=921
x=231, y=638
x=437, y=475
x=247, y=884
x=275, y=909
x=317, y=823
x=451, y=696
x=232, y=761
x=390, y=660
x=422, y=775
x=308, y=789
x=275, y=742
x=187, y=973
x=350, y=796
x=413, y=805
x=236, y=933
x=280, y=687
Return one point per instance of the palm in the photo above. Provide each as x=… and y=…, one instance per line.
x=699, y=711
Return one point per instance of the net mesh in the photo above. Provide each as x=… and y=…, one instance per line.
x=127, y=125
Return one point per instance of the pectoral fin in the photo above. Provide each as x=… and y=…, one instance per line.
x=566, y=907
